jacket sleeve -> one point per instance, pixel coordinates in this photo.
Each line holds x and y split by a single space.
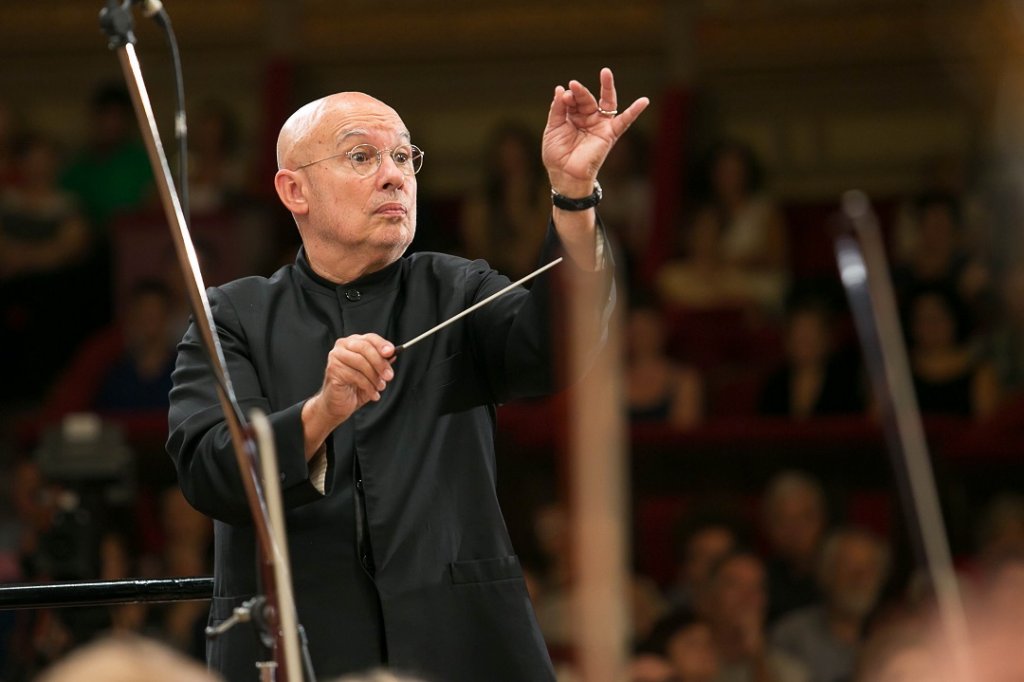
200 442
515 339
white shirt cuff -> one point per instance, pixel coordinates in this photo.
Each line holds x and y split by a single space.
599 248
318 469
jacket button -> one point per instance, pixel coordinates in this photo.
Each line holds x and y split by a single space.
353 294
367 563
359 484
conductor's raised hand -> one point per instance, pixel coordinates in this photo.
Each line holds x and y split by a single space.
358 369
581 130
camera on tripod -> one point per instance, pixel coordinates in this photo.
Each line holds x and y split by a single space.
94 472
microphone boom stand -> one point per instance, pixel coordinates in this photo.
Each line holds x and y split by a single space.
274 611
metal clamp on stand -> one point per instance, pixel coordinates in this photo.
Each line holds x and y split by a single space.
116 21
251 611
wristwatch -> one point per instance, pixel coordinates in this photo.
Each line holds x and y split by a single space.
567 204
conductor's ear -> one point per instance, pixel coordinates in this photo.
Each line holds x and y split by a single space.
291 189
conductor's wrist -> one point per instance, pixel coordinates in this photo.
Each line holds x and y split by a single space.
315 425
569 185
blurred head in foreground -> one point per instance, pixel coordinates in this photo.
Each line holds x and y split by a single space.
127 659
377 676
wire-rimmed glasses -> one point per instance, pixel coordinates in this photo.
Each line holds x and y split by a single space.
366 158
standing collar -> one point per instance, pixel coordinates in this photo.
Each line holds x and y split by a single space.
369 284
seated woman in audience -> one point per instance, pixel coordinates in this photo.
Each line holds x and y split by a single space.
940 258
704 278
685 646
734 603
702 540
658 388
814 380
41 229
753 231
217 172
44 246
948 377
506 221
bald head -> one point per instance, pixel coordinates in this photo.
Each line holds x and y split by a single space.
310 126
351 221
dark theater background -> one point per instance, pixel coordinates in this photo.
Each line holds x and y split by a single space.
760 528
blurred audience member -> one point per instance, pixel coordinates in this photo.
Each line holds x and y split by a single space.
815 380
10 174
125 367
647 606
188 536
185 530
552 606
687 645
734 605
34 502
944 175
112 173
898 652
140 379
704 277
795 519
118 561
1001 528
220 198
948 377
627 204
44 248
41 229
702 541
754 235
506 222
659 389
940 259
1007 337
217 173
127 659
826 637
647 667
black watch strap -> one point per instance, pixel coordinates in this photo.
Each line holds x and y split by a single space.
567 204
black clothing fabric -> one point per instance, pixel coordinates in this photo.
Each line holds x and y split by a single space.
949 397
655 412
123 388
433 586
788 590
840 393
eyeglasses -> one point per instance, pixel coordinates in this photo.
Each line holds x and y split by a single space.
366 159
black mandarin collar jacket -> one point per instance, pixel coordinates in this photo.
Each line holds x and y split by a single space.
435 586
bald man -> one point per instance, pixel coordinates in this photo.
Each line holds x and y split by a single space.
400 554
